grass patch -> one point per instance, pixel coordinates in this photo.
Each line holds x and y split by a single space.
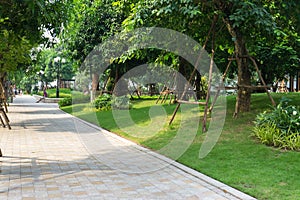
238 159
63 93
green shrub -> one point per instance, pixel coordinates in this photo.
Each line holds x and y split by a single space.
103 102
77 97
61 95
279 127
65 102
121 102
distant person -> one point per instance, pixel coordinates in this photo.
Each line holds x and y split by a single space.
15 90
45 92
45 95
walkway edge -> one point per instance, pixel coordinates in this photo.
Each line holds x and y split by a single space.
215 183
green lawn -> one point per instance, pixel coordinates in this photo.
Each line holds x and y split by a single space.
237 159
63 93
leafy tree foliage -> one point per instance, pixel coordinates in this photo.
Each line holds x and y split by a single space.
252 26
278 53
22 24
100 20
47 68
265 29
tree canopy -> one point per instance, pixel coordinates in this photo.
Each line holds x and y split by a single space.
22 24
267 30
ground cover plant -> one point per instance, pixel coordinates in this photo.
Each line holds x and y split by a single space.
279 127
107 101
238 159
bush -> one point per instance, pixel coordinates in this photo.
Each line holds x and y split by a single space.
77 97
65 102
61 95
106 102
280 127
121 102
103 102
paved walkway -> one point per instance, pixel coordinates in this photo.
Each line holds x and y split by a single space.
49 154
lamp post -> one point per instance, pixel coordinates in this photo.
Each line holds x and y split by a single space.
58 60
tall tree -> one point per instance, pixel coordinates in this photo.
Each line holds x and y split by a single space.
95 22
246 22
22 24
278 55
48 67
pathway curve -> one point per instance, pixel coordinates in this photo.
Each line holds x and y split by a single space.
49 154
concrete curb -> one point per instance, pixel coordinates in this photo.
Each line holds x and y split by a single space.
46 100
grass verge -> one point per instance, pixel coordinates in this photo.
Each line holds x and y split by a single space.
63 93
238 159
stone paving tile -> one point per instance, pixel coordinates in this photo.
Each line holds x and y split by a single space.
51 155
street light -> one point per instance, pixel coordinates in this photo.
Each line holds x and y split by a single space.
58 60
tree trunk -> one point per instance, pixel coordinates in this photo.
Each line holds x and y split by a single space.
244 76
2 77
95 84
199 89
180 80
